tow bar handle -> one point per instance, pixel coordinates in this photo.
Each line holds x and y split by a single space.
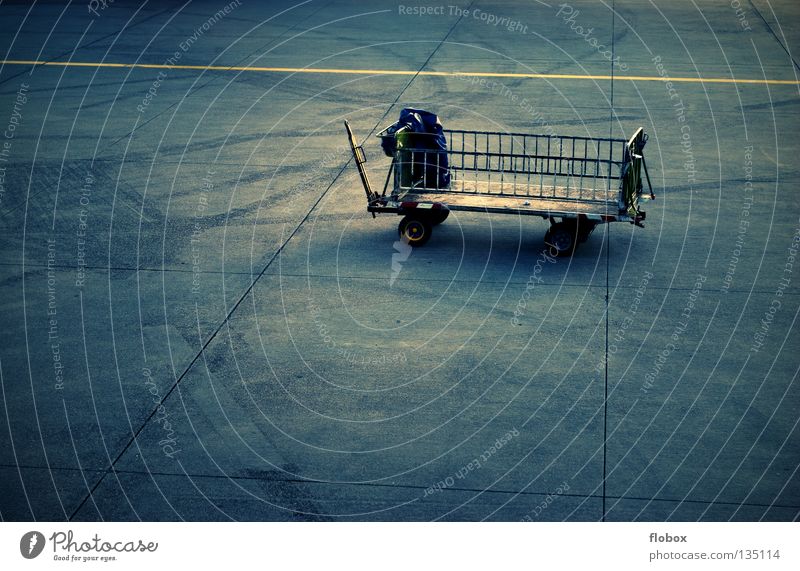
360 158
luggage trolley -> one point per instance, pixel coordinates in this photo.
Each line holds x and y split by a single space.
571 181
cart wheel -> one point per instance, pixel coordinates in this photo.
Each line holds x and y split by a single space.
562 239
415 231
439 216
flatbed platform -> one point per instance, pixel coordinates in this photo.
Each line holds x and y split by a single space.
504 203
532 187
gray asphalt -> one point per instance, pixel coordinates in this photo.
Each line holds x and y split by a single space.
202 322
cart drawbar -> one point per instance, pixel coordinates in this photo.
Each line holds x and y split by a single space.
574 182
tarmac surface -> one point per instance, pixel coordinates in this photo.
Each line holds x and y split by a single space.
202 322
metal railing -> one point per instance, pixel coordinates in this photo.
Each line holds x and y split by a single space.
515 164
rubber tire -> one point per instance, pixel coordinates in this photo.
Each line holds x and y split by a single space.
439 216
415 230
562 239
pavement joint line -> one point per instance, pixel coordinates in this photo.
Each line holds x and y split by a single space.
774 35
208 341
607 240
398 486
404 72
250 288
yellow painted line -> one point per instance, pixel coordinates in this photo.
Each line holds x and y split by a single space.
406 72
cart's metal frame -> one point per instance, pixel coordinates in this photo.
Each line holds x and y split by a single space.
575 182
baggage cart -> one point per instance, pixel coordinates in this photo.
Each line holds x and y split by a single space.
574 182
